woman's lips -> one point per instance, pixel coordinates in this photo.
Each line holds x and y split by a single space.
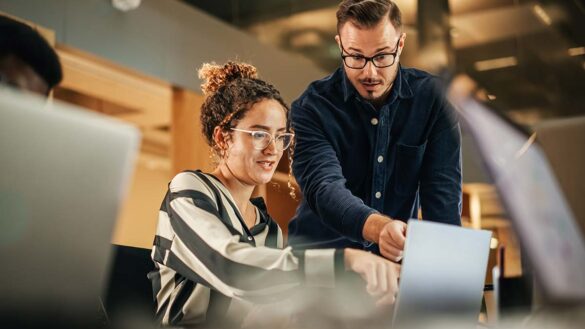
266 165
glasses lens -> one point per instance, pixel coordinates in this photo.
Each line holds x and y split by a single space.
283 141
261 139
355 62
383 60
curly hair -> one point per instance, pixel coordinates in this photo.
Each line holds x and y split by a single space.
230 91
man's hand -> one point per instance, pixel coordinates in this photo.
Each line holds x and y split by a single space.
389 234
392 238
380 275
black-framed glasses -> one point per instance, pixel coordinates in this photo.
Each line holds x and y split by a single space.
261 139
380 60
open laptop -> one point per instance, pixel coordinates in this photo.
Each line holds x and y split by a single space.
531 195
442 276
65 172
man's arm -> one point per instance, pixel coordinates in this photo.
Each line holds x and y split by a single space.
319 173
441 178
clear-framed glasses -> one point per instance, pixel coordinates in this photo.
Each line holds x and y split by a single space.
261 139
379 60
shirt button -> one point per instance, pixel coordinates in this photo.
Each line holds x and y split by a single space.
374 121
249 238
378 195
380 159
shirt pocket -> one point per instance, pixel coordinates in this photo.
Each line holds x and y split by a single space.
408 163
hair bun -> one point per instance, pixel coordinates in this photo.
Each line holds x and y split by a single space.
216 76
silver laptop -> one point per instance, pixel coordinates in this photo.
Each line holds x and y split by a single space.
64 174
531 195
442 276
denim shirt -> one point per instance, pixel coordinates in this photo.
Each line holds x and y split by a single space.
352 160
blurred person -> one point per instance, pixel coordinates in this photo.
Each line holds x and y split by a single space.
374 142
217 252
27 61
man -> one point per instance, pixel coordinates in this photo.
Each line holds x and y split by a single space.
374 141
27 61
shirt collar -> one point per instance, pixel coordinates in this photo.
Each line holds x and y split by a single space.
401 86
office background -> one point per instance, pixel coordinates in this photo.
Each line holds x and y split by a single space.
140 66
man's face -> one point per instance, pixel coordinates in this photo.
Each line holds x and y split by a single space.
371 82
17 74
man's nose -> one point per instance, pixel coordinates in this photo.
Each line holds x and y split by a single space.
370 70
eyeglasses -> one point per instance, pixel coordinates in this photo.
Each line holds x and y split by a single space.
261 139
380 60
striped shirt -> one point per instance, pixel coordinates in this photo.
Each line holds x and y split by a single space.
210 266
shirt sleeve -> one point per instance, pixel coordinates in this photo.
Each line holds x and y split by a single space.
193 241
319 174
441 177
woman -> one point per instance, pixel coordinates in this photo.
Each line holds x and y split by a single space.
216 251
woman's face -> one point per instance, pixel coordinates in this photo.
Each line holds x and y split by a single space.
247 163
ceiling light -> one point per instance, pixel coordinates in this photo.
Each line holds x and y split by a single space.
306 39
577 51
126 5
541 14
496 63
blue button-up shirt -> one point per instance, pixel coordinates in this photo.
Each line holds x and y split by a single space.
352 160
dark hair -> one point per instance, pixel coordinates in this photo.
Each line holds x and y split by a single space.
22 41
367 13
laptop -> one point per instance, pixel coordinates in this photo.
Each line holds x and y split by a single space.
442 276
529 191
65 172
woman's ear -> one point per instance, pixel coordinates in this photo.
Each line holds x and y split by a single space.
221 141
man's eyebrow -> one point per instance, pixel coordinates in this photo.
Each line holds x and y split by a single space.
361 52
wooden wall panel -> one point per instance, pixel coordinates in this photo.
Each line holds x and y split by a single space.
136 224
189 150
95 77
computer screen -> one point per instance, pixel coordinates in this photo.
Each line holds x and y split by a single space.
532 197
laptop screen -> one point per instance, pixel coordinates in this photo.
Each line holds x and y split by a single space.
65 172
530 193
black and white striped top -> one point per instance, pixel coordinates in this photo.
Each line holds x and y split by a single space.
209 265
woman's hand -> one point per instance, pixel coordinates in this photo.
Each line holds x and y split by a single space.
381 275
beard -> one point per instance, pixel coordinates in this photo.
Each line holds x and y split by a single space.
371 97
379 100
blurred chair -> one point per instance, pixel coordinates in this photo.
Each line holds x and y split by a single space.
128 301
